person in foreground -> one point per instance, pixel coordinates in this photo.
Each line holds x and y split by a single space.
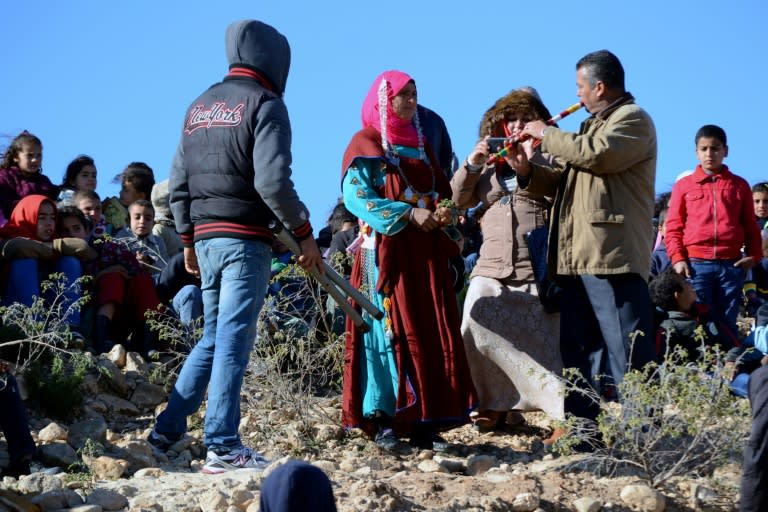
297 486
754 480
511 342
222 207
408 375
14 425
601 227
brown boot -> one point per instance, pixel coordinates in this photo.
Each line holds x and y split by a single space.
488 419
556 434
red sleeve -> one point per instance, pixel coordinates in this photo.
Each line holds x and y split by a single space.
753 243
675 225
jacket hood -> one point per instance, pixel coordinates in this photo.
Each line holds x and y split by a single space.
258 46
515 101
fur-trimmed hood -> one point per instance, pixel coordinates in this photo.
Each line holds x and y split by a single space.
515 101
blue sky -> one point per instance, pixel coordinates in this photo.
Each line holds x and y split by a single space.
113 79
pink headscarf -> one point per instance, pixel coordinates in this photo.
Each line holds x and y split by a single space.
399 131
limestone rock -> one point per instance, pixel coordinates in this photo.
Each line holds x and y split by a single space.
108 500
147 396
108 468
479 464
93 428
643 498
586 504
61 498
57 454
525 502
118 356
53 432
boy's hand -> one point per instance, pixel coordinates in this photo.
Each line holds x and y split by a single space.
681 267
190 261
310 255
746 263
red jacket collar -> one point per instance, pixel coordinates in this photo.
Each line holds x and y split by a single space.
700 176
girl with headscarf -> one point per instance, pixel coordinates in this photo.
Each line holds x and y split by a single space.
511 342
408 375
31 251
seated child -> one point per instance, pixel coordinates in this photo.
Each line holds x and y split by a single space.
30 247
89 202
760 200
21 174
122 291
675 298
138 237
174 284
756 282
80 175
136 182
748 357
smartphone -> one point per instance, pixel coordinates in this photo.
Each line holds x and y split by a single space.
495 143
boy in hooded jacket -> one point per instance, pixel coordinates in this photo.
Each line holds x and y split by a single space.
229 179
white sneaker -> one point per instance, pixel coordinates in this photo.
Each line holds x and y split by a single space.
240 458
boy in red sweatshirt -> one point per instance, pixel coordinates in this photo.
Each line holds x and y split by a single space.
711 217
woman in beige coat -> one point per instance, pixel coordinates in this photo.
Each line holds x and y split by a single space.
512 344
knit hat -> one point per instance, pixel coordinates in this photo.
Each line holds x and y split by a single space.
161 201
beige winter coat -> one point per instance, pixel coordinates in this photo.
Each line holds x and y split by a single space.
503 253
508 217
602 217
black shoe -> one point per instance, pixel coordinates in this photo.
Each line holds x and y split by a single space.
18 468
162 442
387 440
101 341
430 441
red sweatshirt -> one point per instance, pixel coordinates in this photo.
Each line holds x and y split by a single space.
711 217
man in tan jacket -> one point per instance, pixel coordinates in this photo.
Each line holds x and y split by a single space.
601 230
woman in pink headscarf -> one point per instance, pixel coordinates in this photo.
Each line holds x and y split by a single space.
408 375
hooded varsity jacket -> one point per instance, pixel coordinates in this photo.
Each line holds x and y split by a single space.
231 173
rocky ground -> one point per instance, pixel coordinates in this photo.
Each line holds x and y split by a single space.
493 471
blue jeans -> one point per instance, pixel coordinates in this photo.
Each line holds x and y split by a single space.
718 284
234 277
740 385
188 304
21 288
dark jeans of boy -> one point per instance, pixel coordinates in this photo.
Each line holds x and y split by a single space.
13 420
754 479
718 284
597 318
